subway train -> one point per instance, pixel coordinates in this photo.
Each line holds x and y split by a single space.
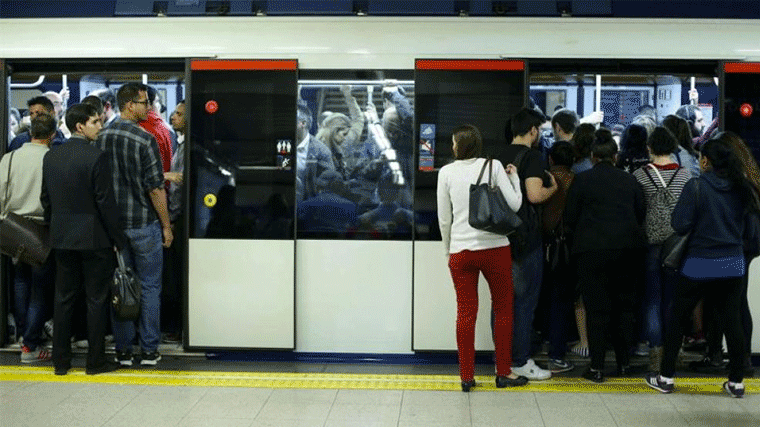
269 265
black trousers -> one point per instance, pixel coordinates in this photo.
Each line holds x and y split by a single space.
608 285
726 294
92 271
714 327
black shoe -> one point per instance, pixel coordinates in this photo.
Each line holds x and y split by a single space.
107 367
653 380
502 382
467 385
708 364
630 370
595 376
62 370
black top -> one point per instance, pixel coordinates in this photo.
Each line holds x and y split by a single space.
77 195
605 210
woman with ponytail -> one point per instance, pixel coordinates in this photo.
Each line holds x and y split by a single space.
712 208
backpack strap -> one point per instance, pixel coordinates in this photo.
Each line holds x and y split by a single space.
649 175
674 175
659 176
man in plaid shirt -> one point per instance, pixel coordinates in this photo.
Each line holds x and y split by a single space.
138 183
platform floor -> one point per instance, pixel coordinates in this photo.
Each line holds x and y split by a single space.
187 390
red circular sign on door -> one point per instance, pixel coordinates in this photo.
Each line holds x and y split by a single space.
212 107
745 110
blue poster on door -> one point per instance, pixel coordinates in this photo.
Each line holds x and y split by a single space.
427 147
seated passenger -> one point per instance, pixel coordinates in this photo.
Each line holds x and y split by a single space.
389 217
329 211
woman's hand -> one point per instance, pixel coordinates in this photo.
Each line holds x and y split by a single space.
511 169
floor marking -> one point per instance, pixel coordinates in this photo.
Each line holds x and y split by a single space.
351 381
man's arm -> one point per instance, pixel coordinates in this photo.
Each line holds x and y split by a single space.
158 198
537 193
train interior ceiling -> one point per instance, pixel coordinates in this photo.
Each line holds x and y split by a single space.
622 95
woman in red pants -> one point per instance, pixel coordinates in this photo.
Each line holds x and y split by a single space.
471 251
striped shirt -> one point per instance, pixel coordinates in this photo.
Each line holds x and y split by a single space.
136 164
667 172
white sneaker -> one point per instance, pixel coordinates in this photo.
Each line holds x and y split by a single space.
531 371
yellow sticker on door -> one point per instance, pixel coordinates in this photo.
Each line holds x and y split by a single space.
209 200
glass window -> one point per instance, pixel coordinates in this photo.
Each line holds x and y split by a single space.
354 155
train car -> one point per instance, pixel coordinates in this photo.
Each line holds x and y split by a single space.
277 257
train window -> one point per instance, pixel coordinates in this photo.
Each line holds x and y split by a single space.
64 89
742 103
354 155
242 122
624 98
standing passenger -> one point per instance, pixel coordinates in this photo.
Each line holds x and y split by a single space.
20 187
138 183
712 208
37 106
662 182
471 251
528 265
605 209
77 194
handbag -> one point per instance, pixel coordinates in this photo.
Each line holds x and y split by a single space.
23 239
489 210
674 247
125 292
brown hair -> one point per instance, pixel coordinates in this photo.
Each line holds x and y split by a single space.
469 142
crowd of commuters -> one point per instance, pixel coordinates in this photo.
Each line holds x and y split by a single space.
599 213
102 189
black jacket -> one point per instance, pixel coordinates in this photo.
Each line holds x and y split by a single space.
605 210
77 195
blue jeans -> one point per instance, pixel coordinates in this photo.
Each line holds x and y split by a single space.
527 274
145 256
32 287
658 297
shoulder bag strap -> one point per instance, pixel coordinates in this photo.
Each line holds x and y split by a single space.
481 173
8 184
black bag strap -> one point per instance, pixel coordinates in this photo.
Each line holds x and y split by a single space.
489 163
8 184
674 176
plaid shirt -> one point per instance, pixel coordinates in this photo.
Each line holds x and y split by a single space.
136 165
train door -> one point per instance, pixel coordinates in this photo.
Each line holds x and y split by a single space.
241 193
449 93
354 211
68 81
741 114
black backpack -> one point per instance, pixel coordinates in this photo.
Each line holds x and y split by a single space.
528 235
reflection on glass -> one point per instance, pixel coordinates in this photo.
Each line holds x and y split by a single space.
241 174
354 163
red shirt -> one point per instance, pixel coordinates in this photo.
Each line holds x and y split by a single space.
156 127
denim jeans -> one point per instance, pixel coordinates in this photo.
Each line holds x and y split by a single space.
145 256
658 297
527 274
32 288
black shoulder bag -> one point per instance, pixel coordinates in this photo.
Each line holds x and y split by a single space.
489 210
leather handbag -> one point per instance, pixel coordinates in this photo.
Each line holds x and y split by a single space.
125 292
23 239
489 210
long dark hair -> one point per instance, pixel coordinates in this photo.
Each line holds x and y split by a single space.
749 165
682 132
726 164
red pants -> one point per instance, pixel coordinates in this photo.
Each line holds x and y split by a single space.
496 266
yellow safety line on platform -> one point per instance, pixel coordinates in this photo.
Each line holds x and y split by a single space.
350 381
